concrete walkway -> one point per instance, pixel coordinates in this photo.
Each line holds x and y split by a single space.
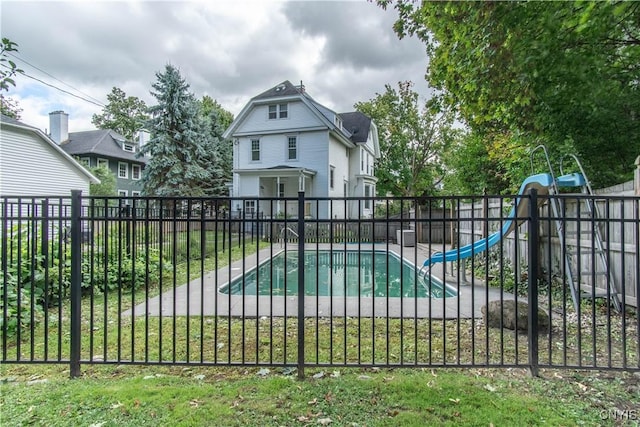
201 296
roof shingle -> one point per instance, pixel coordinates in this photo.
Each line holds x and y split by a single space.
100 142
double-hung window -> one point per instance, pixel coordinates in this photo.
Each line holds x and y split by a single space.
123 171
250 207
135 172
292 148
367 193
278 111
103 163
255 150
332 177
283 111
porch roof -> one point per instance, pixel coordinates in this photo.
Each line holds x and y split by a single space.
275 171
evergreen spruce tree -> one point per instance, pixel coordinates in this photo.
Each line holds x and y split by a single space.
219 156
178 147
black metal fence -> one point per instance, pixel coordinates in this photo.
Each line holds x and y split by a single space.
87 280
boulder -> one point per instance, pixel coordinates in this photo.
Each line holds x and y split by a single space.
502 314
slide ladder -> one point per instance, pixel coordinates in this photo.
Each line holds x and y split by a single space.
582 277
541 182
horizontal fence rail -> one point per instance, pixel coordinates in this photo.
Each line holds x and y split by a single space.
197 281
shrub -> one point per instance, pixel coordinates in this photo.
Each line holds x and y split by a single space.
28 283
113 270
19 311
35 280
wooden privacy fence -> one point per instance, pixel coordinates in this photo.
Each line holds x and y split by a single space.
431 226
618 219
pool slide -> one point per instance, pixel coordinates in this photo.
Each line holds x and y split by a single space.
540 182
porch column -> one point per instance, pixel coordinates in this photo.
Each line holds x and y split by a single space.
278 209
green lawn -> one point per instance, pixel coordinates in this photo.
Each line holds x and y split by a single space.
125 395
144 396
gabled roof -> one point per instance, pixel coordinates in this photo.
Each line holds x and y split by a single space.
10 122
101 142
357 124
284 92
283 89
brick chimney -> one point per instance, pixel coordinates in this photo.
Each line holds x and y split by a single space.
59 126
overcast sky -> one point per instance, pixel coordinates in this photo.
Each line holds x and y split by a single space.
344 52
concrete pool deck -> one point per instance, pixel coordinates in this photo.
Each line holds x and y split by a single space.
201 297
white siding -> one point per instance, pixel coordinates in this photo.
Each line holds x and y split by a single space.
312 154
317 149
338 158
249 186
354 167
299 117
30 166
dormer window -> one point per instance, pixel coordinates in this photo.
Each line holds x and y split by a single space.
338 122
278 111
128 147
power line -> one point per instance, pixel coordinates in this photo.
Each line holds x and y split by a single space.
52 76
63 90
92 100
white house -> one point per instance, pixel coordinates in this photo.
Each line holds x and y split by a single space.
31 164
285 142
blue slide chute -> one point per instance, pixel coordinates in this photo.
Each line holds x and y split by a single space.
540 182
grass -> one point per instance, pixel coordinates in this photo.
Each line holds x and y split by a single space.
143 396
121 394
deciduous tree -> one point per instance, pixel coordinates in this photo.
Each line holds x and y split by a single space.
124 114
411 137
566 74
10 107
8 70
108 183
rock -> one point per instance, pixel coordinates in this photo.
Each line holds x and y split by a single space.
503 314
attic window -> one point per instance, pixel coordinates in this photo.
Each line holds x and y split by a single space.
338 122
278 111
128 147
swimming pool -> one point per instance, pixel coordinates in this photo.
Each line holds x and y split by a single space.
338 273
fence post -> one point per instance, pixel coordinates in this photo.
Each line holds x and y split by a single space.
532 327
76 281
636 177
301 234
128 223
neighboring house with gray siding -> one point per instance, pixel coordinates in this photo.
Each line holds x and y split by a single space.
31 164
285 141
102 147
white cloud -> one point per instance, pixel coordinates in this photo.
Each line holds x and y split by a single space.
344 52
